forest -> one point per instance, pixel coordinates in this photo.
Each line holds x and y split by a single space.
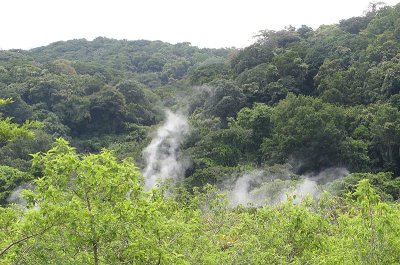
144 152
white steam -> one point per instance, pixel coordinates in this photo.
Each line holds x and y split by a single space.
258 187
15 196
161 155
240 195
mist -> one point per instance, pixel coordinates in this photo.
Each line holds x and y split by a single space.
162 154
260 187
16 196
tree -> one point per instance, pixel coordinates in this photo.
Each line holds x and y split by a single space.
140 107
306 129
10 131
385 129
252 56
258 121
262 74
107 110
385 184
92 210
226 100
355 24
207 71
278 39
10 178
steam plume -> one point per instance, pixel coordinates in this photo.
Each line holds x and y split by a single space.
161 155
15 196
260 187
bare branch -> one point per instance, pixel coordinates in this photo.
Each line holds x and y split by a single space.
24 239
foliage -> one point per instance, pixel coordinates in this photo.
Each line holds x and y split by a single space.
10 178
10 131
92 210
308 99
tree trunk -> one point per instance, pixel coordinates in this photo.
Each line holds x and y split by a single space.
95 242
95 253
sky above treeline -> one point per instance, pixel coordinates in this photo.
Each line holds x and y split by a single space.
27 24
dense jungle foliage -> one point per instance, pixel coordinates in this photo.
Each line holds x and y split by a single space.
76 115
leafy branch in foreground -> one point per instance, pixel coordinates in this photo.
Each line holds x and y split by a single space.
10 131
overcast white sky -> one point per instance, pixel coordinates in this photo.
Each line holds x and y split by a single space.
205 23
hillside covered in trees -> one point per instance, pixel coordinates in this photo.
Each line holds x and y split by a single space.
290 154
